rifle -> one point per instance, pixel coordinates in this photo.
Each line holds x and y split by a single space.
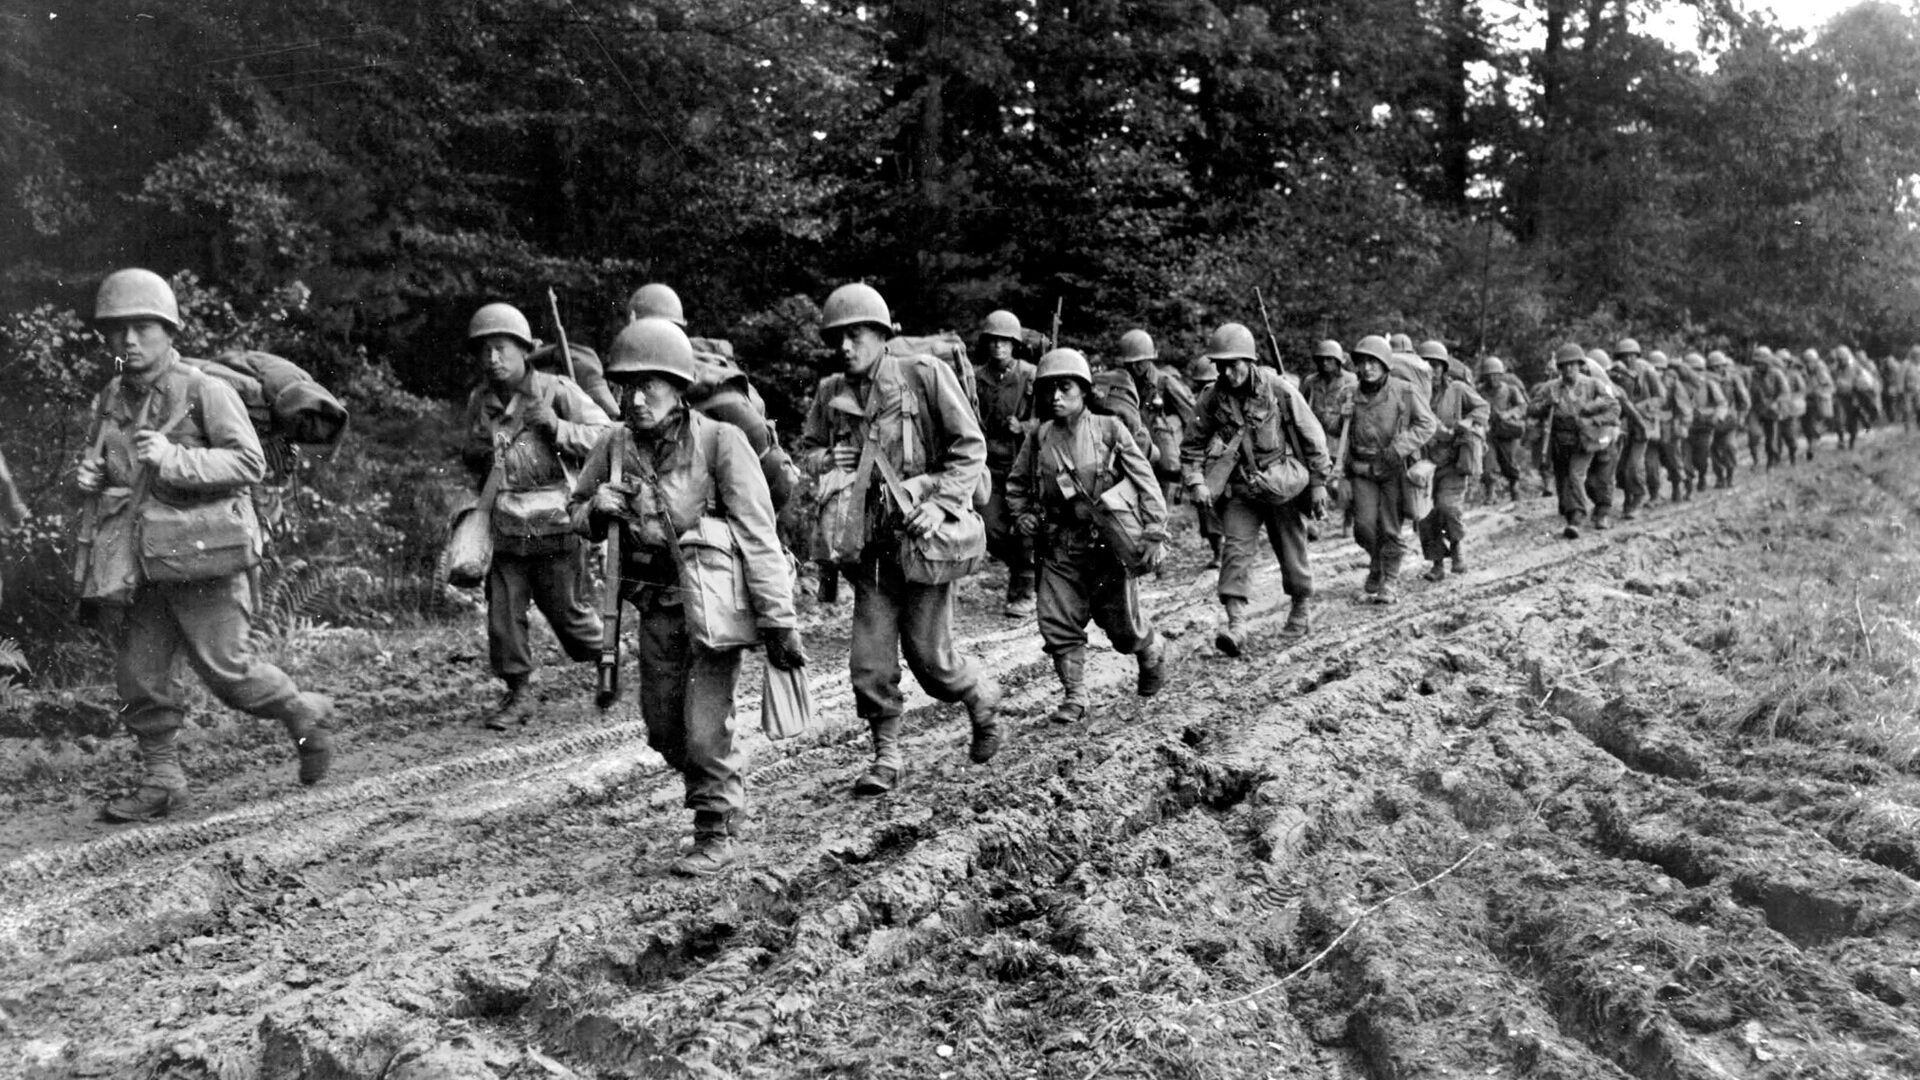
90 518
1058 303
607 678
1272 342
560 328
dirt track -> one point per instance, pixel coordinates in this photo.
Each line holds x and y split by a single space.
1635 862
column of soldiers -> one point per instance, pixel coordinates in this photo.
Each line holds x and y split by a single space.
664 445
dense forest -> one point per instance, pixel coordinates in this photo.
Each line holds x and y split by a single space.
344 181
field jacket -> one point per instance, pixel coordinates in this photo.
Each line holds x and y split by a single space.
536 478
1267 408
1459 439
1582 411
1390 426
1006 410
1100 452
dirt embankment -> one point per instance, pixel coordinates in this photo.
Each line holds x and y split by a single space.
1638 805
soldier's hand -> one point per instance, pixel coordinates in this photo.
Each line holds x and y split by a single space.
609 501
846 458
1317 496
90 476
1202 495
784 650
151 448
1154 555
924 519
1027 524
539 416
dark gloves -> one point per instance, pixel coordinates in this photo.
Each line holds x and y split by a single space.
784 650
539 416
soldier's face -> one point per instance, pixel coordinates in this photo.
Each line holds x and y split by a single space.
1066 397
138 346
648 402
1370 370
999 350
1569 370
1237 371
860 348
502 359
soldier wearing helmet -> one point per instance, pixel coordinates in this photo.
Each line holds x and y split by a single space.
176 457
1506 425
1854 386
1638 376
1392 422
911 412
677 466
1329 392
526 432
1256 454
1581 418
1005 385
1773 403
1066 464
1819 414
1166 410
1457 450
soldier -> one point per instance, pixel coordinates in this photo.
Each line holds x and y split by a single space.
1166 408
1640 378
1733 391
1391 423
911 411
175 541
1653 400
1853 386
1606 459
1506 424
1578 414
1201 374
1006 407
1772 393
678 465
1820 390
1068 461
1677 406
1456 450
1250 428
1710 407
1329 392
532 430
1794 409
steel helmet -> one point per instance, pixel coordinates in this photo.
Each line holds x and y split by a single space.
1695 362
1810 355
1843 354
1373 345
1627 347
1763 354
851 305
1718 358
1492 365
1570 353
136 294
652 346
1432 350
1231 341
1401 343
1137 345
1329 349
1659 360
656 301
1001 324
1064 364
1202 370
1599 356
500 319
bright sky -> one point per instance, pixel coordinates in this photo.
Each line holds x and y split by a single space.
1803 14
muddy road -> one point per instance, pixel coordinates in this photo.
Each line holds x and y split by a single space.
1639 805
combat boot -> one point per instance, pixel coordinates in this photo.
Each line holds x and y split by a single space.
1299 620
1019 595
1389 590
712 849
516 705
887 767
1228 639
983 713
1213 562
1513 491
1371 586
1438 572
309 722
1152 658
1600 521
1071 666
163 784
1459 561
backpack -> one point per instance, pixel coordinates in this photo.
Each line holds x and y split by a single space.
946 347
1115 395
288 406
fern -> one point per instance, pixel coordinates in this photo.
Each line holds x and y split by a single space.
13 660
287 592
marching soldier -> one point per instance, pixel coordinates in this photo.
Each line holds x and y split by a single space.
1606 459
1578 414
1329 392
1256 454
1733 391
1166 408
1507 424
175 540
1201 374
1819 412
911 413
1392 421
1005 383
526 433
1456 451
1640 377
1064 465
1710 407
678 465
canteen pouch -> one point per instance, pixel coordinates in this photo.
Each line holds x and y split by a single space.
713 586
838 525
526 514
198 542
1117 513
1281 481
955 549
1418 489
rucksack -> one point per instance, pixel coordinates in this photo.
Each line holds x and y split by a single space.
288 406
946 347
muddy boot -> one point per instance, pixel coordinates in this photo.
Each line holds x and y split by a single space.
829 590
163 784
1299 620
1600 521
309 722
1438 572
1019 595
1152 658
1213 542
1371 587
712 849
983 713
887 767
1228 639
1513 491
1486 491
1071 666
516 705
1389 590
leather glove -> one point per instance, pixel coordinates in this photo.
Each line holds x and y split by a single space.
539 416
1027 524
1202 495
1317 496
784 650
